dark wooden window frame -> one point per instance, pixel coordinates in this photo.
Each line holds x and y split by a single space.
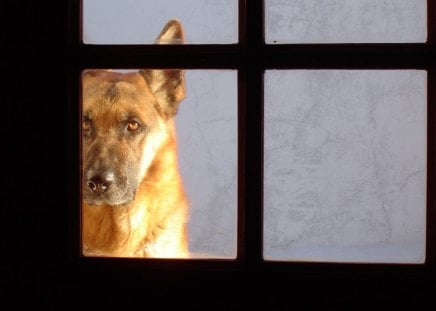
250 57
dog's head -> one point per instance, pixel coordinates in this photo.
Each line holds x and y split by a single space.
125 118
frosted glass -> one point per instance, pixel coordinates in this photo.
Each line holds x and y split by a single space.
346 21
207 135
140 21
345 165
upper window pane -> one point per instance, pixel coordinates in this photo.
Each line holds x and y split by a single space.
140 21
345 21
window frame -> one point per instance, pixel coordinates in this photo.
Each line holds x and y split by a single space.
251 56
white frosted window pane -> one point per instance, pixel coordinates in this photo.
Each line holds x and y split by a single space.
140 21
345 166
207 141
346 21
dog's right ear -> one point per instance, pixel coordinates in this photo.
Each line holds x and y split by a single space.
167 85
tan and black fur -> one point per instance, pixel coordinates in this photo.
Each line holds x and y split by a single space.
133 201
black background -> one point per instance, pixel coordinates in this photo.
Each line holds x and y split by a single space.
38 264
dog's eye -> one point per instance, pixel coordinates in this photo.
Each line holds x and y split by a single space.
86 126
132 126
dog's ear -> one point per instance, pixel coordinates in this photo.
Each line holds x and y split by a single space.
167 85
172 33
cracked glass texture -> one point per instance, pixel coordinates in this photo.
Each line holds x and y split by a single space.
207 138
345 165
140 21
345 21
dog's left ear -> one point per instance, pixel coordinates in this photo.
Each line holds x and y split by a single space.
167 85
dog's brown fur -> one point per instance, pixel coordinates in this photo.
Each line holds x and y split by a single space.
143 212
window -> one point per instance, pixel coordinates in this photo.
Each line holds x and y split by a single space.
345 165
339 21
253 60
207 22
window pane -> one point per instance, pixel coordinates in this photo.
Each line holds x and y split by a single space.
207 135
139 21
346 21
345 165
136 182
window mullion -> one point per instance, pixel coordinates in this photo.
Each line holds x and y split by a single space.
431 164
253 75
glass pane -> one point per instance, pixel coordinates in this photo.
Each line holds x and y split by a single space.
345 165
346 21
139 21
159 179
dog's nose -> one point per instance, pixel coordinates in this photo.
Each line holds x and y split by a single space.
100 183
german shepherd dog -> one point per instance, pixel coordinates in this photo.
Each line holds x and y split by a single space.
133 201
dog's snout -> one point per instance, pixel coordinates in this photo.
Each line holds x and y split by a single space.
100 183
